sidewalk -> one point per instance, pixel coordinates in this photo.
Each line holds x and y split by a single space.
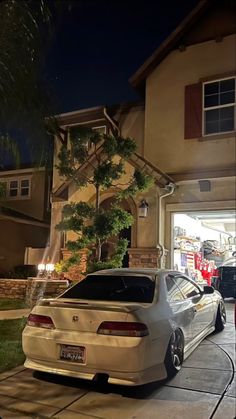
203 389
14 314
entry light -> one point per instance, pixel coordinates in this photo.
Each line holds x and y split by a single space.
143 209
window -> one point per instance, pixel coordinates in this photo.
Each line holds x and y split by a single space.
17 188
13 188
188 289
113 288
219 106
173 290
210 108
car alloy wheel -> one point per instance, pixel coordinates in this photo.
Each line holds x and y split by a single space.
220 317
175 353
176 350
222 312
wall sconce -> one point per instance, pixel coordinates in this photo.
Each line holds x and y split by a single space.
143 209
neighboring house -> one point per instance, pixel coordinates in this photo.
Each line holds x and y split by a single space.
185 132
24 216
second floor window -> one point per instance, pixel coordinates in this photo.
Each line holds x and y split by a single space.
17 188
219 106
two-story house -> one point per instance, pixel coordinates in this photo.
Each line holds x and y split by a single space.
190 121
24 216
185 132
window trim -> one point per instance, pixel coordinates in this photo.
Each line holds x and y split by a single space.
215 80
18 196
172 277
192 282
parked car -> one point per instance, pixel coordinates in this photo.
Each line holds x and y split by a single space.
129 326
226 281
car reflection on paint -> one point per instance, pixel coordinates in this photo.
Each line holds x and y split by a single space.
131 326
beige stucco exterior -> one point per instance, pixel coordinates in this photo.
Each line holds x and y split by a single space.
24 220
164 142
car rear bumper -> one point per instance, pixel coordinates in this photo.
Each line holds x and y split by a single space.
157 372
130 361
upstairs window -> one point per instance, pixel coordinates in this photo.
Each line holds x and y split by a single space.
210 108
17 188
219 106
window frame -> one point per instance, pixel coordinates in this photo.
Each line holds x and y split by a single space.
204 109
191 282
18 195
172 277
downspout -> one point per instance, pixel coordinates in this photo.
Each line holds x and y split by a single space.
170 190
111 120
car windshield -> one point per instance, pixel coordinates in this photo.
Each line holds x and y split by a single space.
127 288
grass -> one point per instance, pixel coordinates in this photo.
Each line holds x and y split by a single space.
10 304
11 353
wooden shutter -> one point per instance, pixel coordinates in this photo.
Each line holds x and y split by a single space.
193 111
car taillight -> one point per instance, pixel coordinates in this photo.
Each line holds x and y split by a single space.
123 329
37 320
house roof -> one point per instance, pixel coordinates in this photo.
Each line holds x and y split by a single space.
175 39
161 179
13 215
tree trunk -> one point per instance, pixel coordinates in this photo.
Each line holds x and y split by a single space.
97 198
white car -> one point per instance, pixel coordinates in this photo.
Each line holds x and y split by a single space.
129 326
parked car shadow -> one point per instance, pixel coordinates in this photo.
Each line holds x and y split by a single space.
99 386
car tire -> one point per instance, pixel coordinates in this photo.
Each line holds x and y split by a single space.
220 317
174 354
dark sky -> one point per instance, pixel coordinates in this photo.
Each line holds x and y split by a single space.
101 43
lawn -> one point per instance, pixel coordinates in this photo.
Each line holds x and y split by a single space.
11 353
10 304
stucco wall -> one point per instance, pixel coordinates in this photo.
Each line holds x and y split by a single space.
164 120
14 238
33 206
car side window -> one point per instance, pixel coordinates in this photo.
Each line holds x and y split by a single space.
187 287
174 293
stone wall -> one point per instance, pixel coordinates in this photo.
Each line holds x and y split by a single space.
75 273
32 289
145 257
13 288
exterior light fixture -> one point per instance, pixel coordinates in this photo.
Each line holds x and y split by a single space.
41 267
143 209
45 270
50 267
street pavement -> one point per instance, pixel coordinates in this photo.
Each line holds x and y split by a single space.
204 389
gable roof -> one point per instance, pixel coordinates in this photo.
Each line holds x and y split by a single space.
161 179
175 39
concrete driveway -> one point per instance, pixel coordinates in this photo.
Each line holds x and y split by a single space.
203 389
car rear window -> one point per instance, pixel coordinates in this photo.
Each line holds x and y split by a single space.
113 288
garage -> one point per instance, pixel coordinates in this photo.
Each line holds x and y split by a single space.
202 241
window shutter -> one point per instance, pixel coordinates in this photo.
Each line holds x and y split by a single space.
193 111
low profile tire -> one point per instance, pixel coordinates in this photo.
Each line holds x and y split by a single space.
174 354
220 317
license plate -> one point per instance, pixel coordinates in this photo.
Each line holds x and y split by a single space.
73 353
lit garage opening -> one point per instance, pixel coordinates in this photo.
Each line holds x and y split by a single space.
202 241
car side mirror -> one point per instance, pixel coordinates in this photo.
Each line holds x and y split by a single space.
208 289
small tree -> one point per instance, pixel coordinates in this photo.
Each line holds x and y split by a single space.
98 159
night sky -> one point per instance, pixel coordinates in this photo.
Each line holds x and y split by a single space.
101 43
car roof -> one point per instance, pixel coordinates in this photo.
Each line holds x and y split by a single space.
132 271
